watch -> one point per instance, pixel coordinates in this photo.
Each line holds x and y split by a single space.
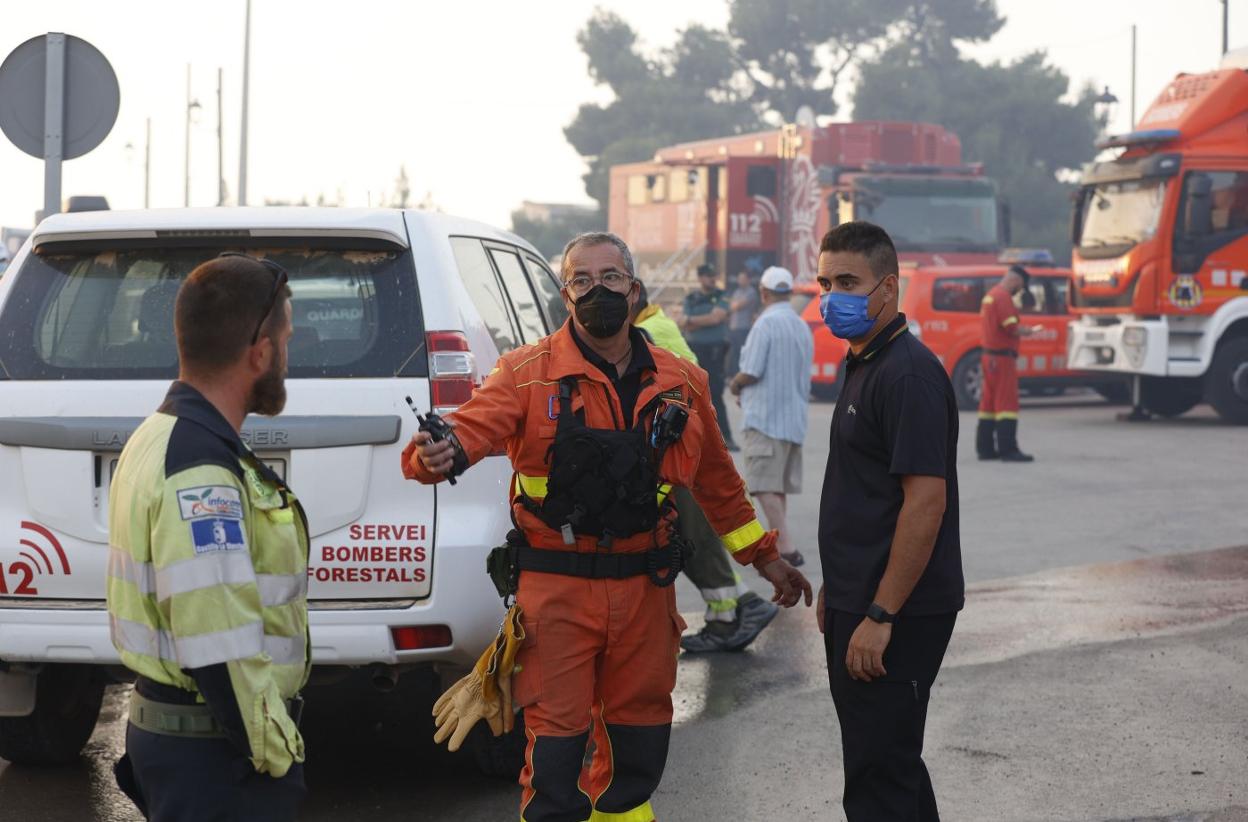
876 613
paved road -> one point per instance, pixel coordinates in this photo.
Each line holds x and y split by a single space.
1099 672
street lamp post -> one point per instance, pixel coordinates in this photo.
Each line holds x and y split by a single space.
191 105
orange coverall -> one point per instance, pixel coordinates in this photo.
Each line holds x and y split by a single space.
999 325
599 654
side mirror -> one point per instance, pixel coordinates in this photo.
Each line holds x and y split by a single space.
1199 217
1078 200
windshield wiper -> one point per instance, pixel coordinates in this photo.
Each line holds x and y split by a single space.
1113 239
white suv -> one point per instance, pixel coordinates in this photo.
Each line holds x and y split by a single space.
386 304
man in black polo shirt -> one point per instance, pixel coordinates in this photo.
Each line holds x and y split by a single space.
888 530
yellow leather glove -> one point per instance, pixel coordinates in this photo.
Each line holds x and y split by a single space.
485 693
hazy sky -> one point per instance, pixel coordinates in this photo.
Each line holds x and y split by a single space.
470 96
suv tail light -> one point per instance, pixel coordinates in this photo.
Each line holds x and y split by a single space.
452 370
415 637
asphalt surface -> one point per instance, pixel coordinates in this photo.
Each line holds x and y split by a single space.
1099 671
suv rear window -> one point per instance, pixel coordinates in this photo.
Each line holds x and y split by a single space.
95 314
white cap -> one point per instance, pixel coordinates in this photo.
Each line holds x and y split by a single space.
777 279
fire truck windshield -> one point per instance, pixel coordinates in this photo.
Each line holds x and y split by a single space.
1117 214
931 213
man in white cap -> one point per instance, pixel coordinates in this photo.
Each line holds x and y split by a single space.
774 388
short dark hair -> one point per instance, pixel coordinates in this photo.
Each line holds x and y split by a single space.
1023 273
218 308
706 270
867 239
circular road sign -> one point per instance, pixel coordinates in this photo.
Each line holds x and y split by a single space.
92 96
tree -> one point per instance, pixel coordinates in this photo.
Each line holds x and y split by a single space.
797 52
550 236
1011 117
687 92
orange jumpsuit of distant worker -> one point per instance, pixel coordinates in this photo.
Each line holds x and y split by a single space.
598 652
999 322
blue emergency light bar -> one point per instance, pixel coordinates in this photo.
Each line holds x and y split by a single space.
1140 138
1026 256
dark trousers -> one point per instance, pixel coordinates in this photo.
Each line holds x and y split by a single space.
711 357
180 779
882 721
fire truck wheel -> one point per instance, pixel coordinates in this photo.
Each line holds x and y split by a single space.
499 756
1169 396
968 380
67 704
1226 383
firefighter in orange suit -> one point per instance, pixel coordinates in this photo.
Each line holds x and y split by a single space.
599 425
997 434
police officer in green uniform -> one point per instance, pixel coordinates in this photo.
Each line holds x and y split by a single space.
207 572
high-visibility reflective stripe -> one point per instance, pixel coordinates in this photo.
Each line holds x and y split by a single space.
641 813
1009 321
204 571
220 646
535 487
279 589
987 415
211 648
138 638
1007 415
222 568
722 605
743 537
126 568
718 594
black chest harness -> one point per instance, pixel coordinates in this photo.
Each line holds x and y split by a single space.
603 483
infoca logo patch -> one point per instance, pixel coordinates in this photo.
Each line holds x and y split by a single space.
210 501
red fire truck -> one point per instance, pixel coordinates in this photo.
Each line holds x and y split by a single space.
1161 250
749 201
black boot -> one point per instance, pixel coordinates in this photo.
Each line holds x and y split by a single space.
1007 442
985 439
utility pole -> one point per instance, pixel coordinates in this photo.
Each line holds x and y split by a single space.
220 142
191 105
1133 76
242 139
147 166
1226 13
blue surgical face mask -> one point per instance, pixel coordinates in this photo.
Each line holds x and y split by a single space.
845 315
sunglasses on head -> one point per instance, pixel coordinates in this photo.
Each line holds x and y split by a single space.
280 279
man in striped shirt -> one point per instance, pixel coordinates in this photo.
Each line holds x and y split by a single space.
774 389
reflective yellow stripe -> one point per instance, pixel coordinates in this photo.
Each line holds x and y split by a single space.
641 813
987 415
535 487
1007 415
743 537
1009 321
986 301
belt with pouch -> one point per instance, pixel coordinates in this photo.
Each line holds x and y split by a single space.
170 711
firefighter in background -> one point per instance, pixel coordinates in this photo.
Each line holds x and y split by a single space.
997 434
735 615
599 425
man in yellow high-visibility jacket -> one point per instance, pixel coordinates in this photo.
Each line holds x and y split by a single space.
207 572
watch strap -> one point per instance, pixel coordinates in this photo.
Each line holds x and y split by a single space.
876 613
